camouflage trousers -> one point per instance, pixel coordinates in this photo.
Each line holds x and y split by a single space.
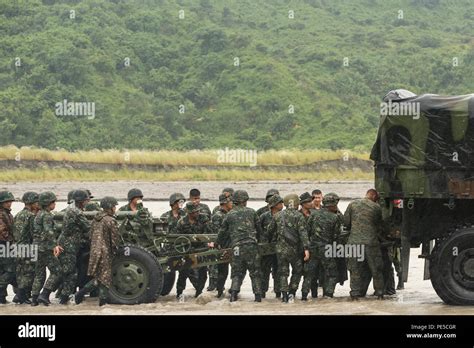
45 260
25 274
68 262
94 285
7 273
327 271
289 257
395 254
362 272
222 273
270 266
246 257
388 277
197 277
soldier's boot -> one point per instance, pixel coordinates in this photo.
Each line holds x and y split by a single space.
102 302
34 300
304 296
79 296
212 284
64 300
278 294
15 298
94 293
258 298
264 294
314 293
400 285
198 292
44 297
379 297
220 293
22 297
233 296
284 297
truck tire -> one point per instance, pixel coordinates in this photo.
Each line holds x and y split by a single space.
452 267
137 277
168 283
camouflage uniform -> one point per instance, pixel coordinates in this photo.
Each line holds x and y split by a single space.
204 209
364 220
202 225
266 208
75 227
223 268
7 265
241 226
269 262
289 230
23 232
44 237
324 229
172 220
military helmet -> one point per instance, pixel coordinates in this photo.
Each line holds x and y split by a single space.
80 196
330 199
228 190
108 202
240 196
6 196
46 198
175 197
133 193
30 197
69 196
224 198
270 193
291 201
305 198
274 200
89 193
191 208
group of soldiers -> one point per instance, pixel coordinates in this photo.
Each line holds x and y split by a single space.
301 233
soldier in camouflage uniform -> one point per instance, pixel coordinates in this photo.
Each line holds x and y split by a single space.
364 220
242 226
195 198
7 265
270 262
289 230
228 191
135 202
48 250
317 199
23 234
75 227
193 223
104 245
324 229
91 206
217 219
172 216
266 208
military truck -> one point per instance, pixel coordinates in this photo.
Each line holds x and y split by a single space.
424 157
146 264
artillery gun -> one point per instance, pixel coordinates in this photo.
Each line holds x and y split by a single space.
146 264
424 157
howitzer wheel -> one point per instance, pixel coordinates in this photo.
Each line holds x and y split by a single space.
182 244
137 276
452 267
168 283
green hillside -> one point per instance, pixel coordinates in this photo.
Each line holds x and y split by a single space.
191 61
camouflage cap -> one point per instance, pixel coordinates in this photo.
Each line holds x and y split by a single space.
330 199
80 196
46 198
30 197
191 208
108 202
291 201
133 193
274 200
224 198
175 197
6 196
240 196
270 193
306 197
